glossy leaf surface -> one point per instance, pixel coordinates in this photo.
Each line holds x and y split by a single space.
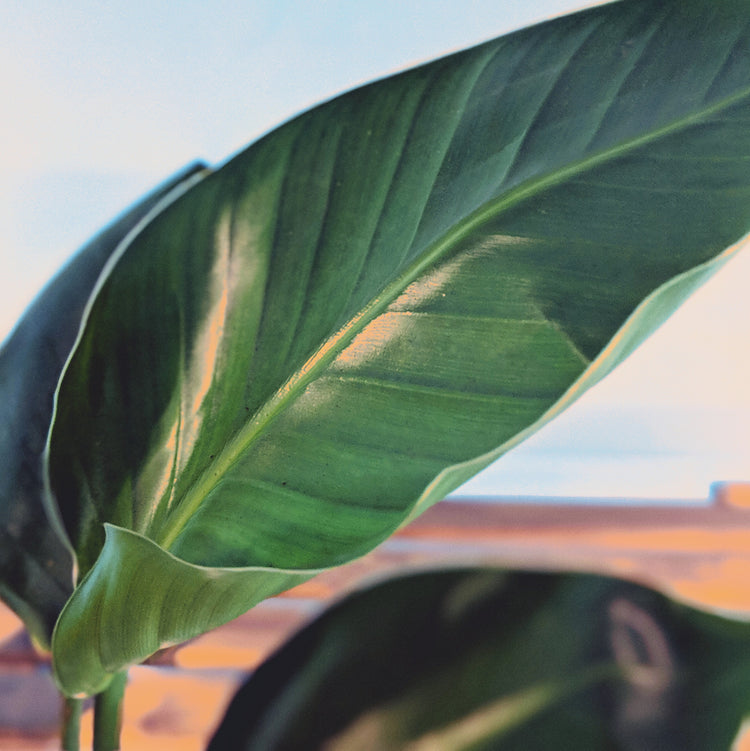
36 570
380 297
477 660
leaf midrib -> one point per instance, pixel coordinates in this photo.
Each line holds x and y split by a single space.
334 345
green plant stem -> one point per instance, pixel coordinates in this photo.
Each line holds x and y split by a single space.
71 724
108 714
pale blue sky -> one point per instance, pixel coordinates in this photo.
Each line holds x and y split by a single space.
103 100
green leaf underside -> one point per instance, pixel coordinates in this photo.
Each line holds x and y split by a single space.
398 282
36 569
458 660
191 599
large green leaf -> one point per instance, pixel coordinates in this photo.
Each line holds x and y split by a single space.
36 569
460 660
378 298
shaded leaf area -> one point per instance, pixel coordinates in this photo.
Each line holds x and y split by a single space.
408 277
36 568
482 659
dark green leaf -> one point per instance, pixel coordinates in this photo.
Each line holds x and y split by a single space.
36 570
460 660
383 295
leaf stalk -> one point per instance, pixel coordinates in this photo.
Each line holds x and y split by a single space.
71 724
108 714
